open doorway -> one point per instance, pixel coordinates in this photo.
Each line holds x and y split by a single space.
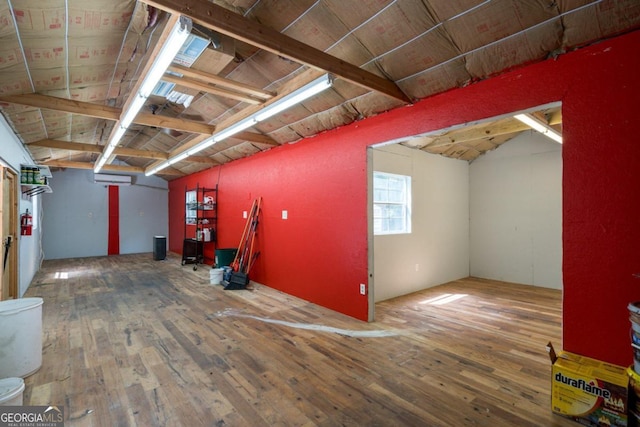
486 202
9 231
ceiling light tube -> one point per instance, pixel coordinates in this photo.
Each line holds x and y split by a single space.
132 111
168 51
117 135
158 168
232 130
180 157
539 126
170 48
100 164
295 97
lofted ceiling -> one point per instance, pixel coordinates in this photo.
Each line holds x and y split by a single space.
69 67
469 141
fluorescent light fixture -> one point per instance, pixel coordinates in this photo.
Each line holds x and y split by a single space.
180 157
232 130
117 135
179 34
100 164
170 48
538 125
134 108
110 148
295 97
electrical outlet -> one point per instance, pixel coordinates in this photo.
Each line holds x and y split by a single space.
363 289
417 267
285 214
244 214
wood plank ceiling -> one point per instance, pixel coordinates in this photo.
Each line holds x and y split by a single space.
68 67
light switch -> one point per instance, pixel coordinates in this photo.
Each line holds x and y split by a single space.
285 214
244 214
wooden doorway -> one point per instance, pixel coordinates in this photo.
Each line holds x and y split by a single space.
9 231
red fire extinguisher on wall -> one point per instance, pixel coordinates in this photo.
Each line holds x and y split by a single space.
26 224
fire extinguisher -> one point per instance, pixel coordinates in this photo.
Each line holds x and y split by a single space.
26 224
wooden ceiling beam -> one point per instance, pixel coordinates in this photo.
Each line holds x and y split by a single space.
221 81
65 145
224 21
204 87
65 105
145 154
175 123
260 138
201 159
92 148
107 113
87 165
488 130
111 168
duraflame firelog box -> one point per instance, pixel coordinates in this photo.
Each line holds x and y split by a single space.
591 392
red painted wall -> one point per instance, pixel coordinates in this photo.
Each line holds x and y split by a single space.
114 221
320 253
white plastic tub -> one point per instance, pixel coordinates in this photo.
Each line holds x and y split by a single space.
215 276
20 337
11 390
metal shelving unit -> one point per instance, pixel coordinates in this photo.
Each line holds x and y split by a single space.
200 223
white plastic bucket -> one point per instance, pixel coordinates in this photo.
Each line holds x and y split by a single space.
634 312
11 391
215 276
20 337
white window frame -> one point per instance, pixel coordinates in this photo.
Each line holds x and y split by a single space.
388 200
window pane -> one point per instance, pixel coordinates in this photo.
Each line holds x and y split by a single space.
396 224
396 211
392 199
396 197
396 184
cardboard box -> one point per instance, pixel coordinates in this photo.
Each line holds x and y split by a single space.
592 392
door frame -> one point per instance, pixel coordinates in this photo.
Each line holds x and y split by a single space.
9 290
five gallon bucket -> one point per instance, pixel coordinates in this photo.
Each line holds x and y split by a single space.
11 391
215 276
20 337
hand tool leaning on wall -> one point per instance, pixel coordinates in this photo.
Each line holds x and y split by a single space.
245 257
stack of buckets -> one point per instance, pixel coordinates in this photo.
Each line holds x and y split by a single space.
634 371
20 346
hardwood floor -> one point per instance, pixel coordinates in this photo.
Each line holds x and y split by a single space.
129 341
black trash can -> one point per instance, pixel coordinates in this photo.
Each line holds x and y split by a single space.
159 248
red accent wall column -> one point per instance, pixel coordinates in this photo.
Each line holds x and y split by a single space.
114 220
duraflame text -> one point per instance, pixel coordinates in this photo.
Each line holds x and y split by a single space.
587 387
